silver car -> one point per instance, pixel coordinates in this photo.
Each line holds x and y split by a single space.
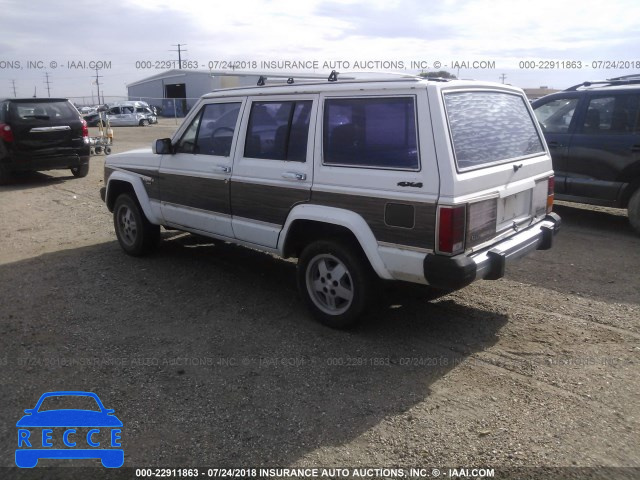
123 115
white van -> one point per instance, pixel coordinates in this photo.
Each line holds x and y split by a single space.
433 182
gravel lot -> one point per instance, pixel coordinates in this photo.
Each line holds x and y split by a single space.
210 360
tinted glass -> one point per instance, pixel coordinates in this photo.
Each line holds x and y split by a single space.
217 127
278 130
187 144
490 127
371 132
614 114
30 111
555 116
211 131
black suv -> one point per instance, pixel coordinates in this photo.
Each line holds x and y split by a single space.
42 134
593 133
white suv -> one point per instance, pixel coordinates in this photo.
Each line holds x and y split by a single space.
433 182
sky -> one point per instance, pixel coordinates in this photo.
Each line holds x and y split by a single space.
528 44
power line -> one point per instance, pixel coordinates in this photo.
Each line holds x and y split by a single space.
179 53
503 77
13 82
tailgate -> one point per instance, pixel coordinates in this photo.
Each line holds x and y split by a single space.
497 161
43 128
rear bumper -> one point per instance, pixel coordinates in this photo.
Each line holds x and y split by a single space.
54 162
457 272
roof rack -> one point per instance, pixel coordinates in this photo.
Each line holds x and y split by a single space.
610 82
352 77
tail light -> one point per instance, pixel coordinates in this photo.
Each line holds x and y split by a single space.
550 188
85 129
451 229
5 132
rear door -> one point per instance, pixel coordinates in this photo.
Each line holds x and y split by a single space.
45 128
273 166
194 181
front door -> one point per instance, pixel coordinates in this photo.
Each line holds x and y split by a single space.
194 181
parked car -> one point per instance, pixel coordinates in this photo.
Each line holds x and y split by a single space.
93 119
42 134
127 115
433 182
593 133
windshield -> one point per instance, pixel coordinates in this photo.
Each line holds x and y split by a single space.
490 127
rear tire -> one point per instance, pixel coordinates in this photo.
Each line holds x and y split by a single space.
633 210
335 281
81 171
136 235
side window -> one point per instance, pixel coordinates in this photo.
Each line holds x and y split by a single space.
278 130
211 131
371 132
187 144
555 116
615 114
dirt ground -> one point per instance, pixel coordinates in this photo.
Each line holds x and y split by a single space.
210 360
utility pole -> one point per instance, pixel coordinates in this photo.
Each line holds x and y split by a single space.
179 53
503 77
13 82
47 82
98 85
35 92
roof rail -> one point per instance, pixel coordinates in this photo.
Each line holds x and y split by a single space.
611 82
362 76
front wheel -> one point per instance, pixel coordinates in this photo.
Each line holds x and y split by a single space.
136 235
144 122
633 210
335 282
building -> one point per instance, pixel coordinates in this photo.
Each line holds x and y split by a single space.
535 93
174 92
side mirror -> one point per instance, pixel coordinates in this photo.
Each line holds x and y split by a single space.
162 146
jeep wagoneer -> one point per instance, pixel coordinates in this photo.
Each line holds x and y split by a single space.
433 182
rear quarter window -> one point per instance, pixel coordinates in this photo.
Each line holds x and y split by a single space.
374 132
490 127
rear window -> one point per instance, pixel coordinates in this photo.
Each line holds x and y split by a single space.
490 127
33 111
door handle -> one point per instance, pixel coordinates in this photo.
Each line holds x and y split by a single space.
294 176
222 168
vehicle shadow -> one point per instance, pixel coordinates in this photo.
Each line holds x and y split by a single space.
27 180
595 254
209 358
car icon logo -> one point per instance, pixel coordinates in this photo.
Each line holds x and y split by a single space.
53 430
